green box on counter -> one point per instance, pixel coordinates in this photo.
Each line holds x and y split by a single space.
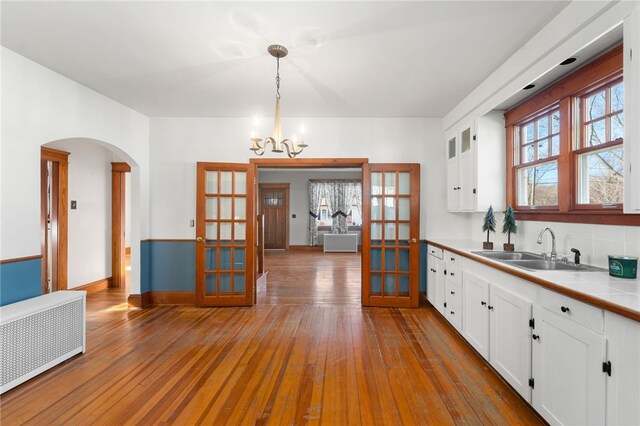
623 266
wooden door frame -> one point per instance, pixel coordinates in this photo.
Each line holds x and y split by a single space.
118 225
59 216
279 186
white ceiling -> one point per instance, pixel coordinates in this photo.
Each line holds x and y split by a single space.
209 59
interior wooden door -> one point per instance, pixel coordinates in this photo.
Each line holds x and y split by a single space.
274 205
225 234
390 235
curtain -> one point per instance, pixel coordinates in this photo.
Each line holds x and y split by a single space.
316 190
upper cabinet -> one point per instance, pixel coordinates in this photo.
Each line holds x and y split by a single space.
476 165
631 67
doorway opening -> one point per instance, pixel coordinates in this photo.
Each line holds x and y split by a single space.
54 178
294 266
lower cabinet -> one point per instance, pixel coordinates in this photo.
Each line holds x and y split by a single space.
453 311
569 382
496 324
436 282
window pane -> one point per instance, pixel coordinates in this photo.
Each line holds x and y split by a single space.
543 127
617 126
617 97
528 154
452 148
376 183
596 133
241 183
465 140
543 149
528 133
555 122
595 106
390 183
538 185
601 177
555 145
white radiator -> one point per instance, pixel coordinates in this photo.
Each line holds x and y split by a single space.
38 333
340 242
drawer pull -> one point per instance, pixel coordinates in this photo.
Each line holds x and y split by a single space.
452 274
453 259
483 303
535 336
452 313
564 309
490 307
453 292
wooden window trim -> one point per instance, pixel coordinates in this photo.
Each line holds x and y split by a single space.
604 71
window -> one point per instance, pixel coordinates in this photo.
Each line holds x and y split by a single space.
354 217
600 151
324 216
565 148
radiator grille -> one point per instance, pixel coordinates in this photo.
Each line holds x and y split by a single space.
340 242
29 343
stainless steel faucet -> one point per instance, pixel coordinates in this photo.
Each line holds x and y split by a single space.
554 254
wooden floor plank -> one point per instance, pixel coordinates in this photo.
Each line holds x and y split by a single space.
307 353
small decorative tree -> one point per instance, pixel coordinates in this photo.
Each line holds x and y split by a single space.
489 225
509 227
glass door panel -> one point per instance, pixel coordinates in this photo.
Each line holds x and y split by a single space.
224 276
391 250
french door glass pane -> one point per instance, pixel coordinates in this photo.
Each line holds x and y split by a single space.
210 259
389 259
403 232
389 284
390 231
239 231
225 231
210 283
212 208
238 283
212 232
376 183
538 185
225 283
376 284
403 285
376 208
211 186
601 175
239 259
389 208
390 183
240 183
404 208
376 231
225 259
225 208
226 179
403 260
240 208
376 259
404 184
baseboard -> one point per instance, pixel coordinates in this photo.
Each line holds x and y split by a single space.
305 248
172 298
135 301
423 299
95 286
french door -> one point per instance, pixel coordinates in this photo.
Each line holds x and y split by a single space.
225 246
390 235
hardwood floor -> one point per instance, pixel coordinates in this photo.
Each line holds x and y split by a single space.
329 362
310 278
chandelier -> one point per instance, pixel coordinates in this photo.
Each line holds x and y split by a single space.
258 145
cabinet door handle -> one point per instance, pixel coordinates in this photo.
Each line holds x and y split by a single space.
453 292
535 336
452 274
453 259
483 303
452 313
564 309
490 307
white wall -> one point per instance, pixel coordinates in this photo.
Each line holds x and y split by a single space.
89 236
40 106
299 196
176 144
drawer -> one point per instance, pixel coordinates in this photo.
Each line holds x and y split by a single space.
435 251
452 258
454 274
586 315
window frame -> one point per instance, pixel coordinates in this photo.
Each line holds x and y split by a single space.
601 72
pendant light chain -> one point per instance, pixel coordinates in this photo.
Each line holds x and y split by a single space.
278 77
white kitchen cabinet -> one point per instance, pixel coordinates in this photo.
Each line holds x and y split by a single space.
475 315
569 384
631 66
476 165
623 386
510 338
453 310
436 282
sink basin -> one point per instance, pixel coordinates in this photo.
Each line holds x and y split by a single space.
548 265
508 255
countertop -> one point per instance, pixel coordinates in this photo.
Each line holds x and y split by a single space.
618 295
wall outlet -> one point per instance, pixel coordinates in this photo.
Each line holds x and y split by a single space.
192 223
293 216
74 204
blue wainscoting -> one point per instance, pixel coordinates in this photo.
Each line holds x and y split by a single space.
423 267
168 266
20 280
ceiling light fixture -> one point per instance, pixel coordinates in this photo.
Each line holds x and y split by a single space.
258 145
529 86
568 61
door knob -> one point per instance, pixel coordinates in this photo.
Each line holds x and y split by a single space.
414 240
199 239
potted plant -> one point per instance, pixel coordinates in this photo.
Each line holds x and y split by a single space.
488 225
509 227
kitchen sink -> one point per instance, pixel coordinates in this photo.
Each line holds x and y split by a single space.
508 255
534 262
